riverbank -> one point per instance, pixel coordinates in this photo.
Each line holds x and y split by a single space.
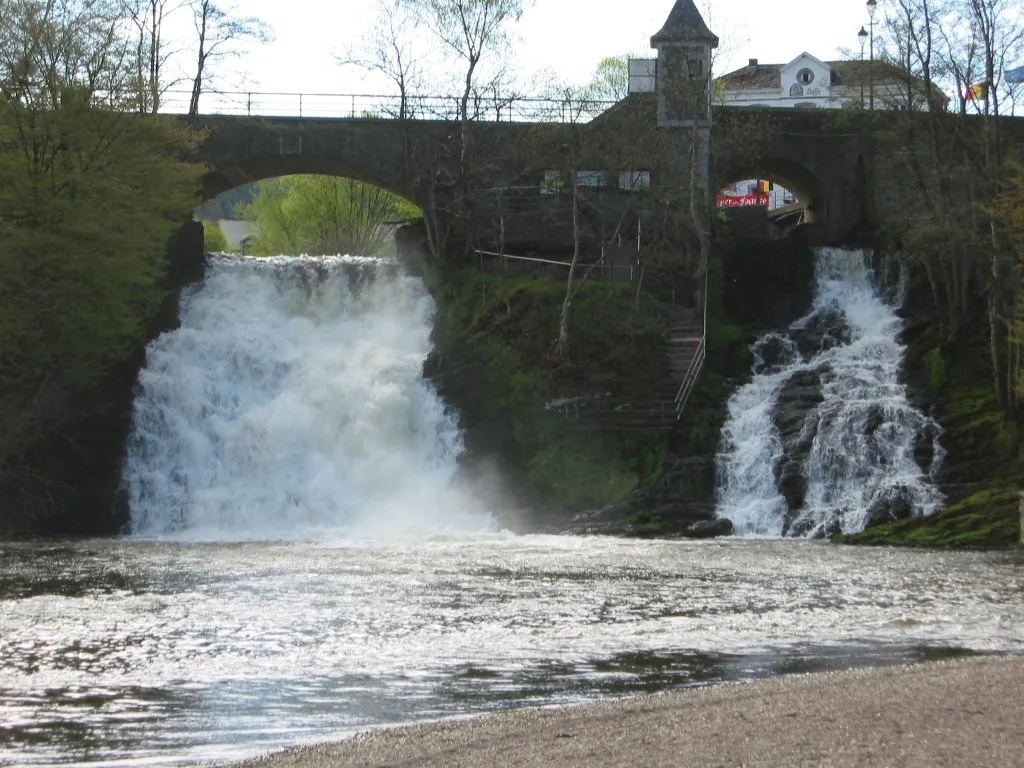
963 712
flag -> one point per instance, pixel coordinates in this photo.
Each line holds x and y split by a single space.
977 92
1015 75
764 186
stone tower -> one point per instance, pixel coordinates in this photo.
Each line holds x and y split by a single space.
684 47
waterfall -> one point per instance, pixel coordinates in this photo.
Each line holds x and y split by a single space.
291 403
823 438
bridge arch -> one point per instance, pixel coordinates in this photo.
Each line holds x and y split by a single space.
222 178
809 194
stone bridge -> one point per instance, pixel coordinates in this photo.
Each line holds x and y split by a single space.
843 177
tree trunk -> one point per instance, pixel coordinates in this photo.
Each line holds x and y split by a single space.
561 351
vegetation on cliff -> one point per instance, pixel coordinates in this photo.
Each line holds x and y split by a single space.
89 194
497 335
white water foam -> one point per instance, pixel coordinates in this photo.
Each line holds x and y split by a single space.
291 404
865 430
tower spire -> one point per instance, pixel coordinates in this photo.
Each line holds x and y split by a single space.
684 23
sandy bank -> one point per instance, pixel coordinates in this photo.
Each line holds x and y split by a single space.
962 713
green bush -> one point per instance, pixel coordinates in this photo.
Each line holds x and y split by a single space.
214 240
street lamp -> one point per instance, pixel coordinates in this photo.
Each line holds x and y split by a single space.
872 6
863 37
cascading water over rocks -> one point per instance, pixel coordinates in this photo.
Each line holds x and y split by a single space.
291 403
823 438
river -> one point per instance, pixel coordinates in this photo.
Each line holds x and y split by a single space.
304 564
142 652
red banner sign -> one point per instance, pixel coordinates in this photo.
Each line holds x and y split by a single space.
739 201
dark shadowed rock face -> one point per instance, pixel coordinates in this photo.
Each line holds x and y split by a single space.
896 504
796 402
73 485
709 529
829 330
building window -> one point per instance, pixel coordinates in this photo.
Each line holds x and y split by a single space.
635 181
805 76
796 91
552 183
591 179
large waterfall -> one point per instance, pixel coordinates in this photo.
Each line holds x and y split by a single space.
291 403
823 437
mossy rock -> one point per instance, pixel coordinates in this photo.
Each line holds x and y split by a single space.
986 519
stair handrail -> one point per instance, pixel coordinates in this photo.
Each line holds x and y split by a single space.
693 371
690 378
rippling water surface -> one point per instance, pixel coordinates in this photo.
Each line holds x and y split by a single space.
159 652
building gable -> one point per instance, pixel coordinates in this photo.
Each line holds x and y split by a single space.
806 77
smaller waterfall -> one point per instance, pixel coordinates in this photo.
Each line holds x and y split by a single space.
853 444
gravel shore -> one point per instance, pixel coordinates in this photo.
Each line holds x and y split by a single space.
957 713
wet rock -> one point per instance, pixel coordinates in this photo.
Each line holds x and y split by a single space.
685 481
774 353
709 529
896 504
607 521
924 449
826 331
792 480
793 416
875 419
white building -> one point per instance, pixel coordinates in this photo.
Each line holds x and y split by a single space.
810 83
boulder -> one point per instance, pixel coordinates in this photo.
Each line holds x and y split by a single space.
709 529
793 417
896 504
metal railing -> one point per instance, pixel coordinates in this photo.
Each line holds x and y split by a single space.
489 108
691 376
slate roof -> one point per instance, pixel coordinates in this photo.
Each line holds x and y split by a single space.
768 76
684 23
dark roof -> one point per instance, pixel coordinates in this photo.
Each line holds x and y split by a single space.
753 76
684 23
845 72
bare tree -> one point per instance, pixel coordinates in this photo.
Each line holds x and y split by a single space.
148 17
468 29
390 50
219 32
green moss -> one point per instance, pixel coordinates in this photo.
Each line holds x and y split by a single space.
936 367
983 453
987 518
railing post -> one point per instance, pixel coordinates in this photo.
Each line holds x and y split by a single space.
352 111
248 104
300 105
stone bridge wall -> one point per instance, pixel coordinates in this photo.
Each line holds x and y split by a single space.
838 162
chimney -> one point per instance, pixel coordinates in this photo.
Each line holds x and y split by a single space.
752 63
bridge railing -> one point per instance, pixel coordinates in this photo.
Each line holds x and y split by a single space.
493 108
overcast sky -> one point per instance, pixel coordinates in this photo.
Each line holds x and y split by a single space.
567 36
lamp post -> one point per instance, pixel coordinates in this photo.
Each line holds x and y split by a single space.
863 37
872 6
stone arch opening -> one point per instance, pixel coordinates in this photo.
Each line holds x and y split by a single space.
302 212
778 197
253 169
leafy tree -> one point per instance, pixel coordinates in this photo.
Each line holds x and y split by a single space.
89 193
214 240
324 215
611 79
